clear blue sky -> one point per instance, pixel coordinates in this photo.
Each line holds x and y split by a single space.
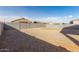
41 11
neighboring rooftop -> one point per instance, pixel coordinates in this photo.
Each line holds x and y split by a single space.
22 20
75 20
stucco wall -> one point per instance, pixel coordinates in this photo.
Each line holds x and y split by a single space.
75 22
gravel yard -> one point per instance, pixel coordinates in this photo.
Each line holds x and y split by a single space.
37 40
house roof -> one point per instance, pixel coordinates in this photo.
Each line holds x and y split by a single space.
75 20
22 20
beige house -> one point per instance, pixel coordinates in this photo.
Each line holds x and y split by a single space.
76 21
22 20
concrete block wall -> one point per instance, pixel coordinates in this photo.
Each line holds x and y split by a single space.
24 25
58 26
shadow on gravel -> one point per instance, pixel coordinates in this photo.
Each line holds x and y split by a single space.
71 30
